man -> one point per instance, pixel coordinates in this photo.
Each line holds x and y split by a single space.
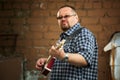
78 60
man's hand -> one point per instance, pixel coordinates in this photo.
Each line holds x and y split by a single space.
58 53
40 63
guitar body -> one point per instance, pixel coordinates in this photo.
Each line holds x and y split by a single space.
50 61
47 67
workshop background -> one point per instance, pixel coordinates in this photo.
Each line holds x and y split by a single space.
28 28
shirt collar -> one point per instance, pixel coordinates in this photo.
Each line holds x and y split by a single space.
71 30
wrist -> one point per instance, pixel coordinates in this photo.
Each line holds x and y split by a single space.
66 57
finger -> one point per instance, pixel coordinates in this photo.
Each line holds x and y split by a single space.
38 67
53 47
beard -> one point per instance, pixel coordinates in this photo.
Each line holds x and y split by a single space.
65 26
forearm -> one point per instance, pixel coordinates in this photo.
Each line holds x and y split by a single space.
76 59
73 58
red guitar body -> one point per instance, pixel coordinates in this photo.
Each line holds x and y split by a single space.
47 67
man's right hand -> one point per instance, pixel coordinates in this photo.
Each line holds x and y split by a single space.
40 63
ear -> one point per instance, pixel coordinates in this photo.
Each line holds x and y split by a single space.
77 17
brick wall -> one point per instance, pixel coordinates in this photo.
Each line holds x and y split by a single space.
35 23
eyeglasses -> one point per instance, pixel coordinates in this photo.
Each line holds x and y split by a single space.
66 16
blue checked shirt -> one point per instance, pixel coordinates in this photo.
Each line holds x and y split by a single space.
85 44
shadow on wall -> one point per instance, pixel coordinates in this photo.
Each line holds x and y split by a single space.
12 65
13 68
7 44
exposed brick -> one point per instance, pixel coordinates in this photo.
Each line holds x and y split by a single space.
18 21
102 39
17 28
27 34
51 20
42 42
37 35
96 12
52 5
6 13
17 1
57 1
40 0
89 20
20 43
4 20
38 28
97 5
60 4
108 21
24 43
107 4
28 43
104 68
7 5
116 4
35 5
34 20
79 5
37 13
25 6
78 0
82 13
114 12
53 13
5 28
53 42
104 63
51 35
17 6
42 52
32 53
95 28
88 5
31 64
1 6
39 5
115 28
54 28
70 3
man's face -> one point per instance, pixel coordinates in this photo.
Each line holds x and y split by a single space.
66 18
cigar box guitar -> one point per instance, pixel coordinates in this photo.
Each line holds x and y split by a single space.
50 60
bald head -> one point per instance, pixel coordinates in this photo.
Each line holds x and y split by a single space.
71 8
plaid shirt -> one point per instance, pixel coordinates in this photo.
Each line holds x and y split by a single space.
84 44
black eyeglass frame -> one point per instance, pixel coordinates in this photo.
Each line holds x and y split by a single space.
66 16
